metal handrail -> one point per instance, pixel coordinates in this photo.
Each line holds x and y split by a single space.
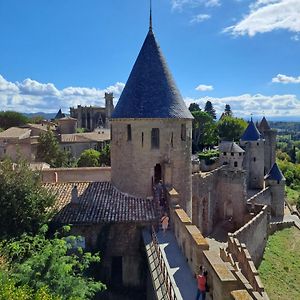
164 271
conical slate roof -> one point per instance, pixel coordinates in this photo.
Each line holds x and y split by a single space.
251 133
275 173
264 125
59 115
226 146
150 91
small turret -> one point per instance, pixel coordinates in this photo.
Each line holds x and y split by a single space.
276 181
253 144
232 155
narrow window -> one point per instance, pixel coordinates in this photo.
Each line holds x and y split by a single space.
224 153
235 164
142 139
155 138
254 158
232 154
240 154
128 132
111 133
172 145
183 132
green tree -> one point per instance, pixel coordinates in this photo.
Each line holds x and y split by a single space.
194 107
298 157
204 131
104 158
210 109
23 201
89 158
39 262
227 111
230 128
48 151
12 119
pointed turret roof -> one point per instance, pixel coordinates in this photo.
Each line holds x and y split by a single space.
59 115
150 91
251 133
275 173
264 125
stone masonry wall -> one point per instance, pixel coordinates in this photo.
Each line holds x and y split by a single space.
102 174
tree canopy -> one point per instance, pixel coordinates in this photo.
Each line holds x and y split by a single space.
23 201
37 263
230 128
12 119
48 151
89 158
104 158
194 107
210 109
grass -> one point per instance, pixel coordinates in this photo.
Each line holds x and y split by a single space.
292 195
280 268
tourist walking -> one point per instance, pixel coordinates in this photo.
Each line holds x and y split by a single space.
201 283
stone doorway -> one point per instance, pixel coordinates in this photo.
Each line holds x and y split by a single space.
157 173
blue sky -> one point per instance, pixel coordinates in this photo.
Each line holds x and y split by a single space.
61 53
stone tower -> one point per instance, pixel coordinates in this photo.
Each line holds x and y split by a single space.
269 136
253 145
276 181
109 107
151 130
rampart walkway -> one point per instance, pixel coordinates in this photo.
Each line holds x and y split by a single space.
181 276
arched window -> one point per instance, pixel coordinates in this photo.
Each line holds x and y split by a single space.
235 164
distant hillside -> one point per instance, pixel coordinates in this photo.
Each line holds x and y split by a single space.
46 116
286 126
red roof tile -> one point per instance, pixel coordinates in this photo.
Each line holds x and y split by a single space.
99 202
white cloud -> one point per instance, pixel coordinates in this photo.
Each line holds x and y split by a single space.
32 87
180 4
33 96
247 104
199 18
269 15
204 88
280 78
295 38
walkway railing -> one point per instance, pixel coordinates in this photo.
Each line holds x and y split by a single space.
164 271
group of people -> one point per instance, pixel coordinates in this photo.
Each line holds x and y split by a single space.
159 189
202 284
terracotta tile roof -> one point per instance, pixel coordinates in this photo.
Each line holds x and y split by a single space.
99 136
16 133
100 202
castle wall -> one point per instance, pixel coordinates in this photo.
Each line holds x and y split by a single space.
134 160
231 196
102 174
254 235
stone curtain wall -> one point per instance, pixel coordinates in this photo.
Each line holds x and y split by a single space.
102 174
262 197
254 234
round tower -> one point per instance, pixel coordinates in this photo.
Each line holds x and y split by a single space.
253 145
276 181
151 130
269 136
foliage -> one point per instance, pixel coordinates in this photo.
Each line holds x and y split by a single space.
81 130
210 109
227 110
204 130
36 119
23 202
280 268
230 128
12 119
194 107
48 151
210 156
38 262
10 290
104 158
89 158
